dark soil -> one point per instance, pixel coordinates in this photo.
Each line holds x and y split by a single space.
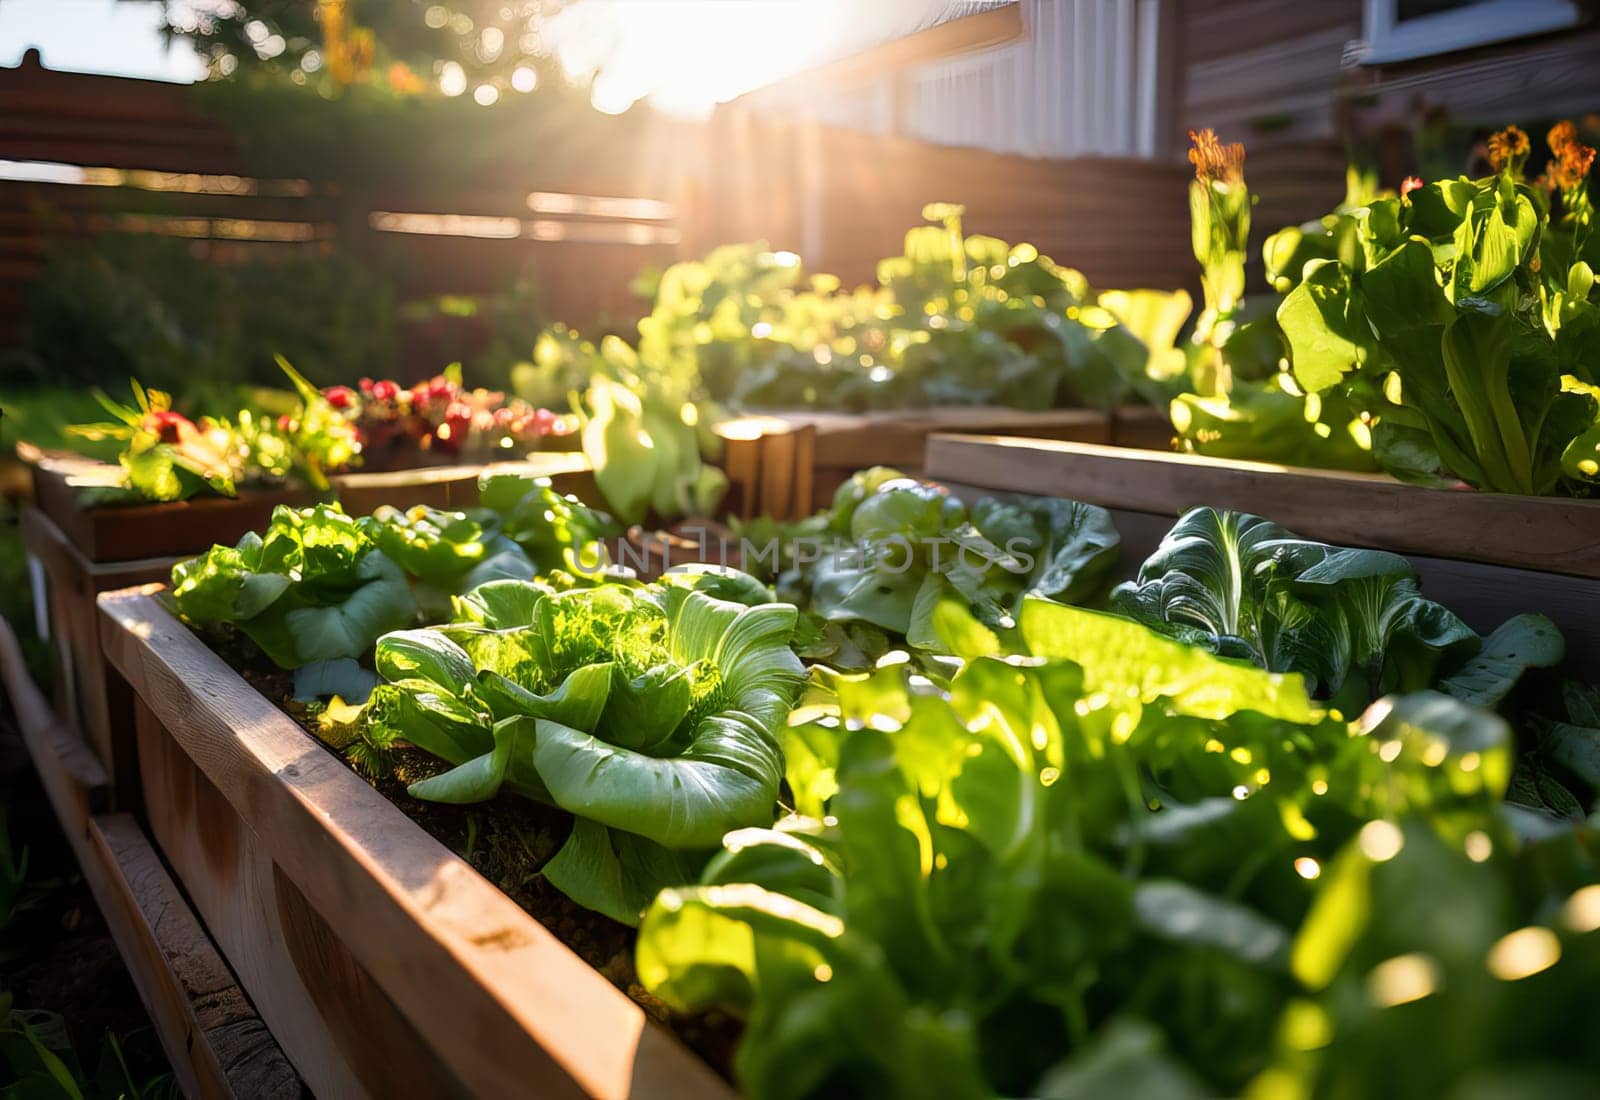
507 840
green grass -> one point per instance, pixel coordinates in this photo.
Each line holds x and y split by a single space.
41 416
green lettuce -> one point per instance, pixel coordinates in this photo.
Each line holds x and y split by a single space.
912 544
993 888
313 587
649 713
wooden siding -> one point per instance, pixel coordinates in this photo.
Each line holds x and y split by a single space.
1280 77
1267 73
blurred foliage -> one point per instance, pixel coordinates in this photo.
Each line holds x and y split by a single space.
400 44
162 310
373 143
953 320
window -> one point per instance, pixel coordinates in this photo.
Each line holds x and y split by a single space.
1399 30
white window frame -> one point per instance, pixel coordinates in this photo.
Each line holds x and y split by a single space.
1388 39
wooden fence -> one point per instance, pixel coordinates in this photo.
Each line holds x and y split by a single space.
86 154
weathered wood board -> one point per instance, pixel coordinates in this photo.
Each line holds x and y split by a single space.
1483 594
788 463
1141 426
131 532
87 698
1547 534
214 1040
382 962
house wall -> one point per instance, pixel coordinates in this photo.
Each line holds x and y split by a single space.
1084 81
1284 77
1267 73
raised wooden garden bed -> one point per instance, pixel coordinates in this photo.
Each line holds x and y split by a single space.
66 583
383 963
787 464
73 574
1486 555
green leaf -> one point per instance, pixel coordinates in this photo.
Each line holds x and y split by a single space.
1576 748
423 655
1117 654
579 701
684 802
1518 644
615 873
1317 320
343 677
1179 913
1129 1059
1402 291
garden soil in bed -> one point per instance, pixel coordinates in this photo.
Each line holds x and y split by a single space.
507 841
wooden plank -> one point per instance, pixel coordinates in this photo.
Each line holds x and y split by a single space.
898 438
214 1040
181 528
145 530
1548 534
1141 426
494 997
779 454
215 1043
311 994
70 774
86 694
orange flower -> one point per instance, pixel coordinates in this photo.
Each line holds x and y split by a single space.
1213 161
1410 184
1508 149
1573 158
403 80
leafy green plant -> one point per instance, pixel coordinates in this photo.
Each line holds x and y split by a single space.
1123 861
1354 622
1024 870
167 456
955 319
1235 398
643 426
1471 341
651 714
899 546
313 587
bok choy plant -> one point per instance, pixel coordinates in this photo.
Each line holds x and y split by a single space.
1353 622
320 585
1118 865
896 546
651 714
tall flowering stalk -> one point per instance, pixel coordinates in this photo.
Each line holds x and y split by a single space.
1568 176
1219 216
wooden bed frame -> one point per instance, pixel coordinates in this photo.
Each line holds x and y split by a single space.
383 963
